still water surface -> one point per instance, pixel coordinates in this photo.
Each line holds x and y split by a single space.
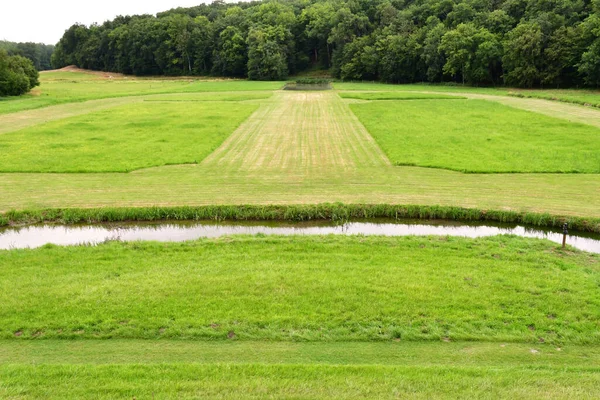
38 235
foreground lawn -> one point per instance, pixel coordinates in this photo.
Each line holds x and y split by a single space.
479 136
304 288
125 138
110 369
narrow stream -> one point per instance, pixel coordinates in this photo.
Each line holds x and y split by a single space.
38 235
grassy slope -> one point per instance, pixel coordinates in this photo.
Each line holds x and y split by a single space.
56 88
304 288
479 136
185 369
123 138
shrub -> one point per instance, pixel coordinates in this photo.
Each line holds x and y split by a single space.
17 75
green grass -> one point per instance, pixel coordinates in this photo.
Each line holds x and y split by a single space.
224 381
319 212
123 138
384 87
395 96
583 97
304 289
300 148
76 87
190 369
479 136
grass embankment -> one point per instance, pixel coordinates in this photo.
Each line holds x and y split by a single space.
395 96
124 138
479 136
68 87
305 288
332 212
190 369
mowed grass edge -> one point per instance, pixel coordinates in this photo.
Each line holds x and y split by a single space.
326 211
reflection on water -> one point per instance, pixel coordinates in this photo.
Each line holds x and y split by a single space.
35 236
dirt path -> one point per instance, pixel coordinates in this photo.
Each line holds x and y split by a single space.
299 131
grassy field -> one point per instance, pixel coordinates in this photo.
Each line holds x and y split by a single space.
584 97
305 288
395 96
305 148
68 87
124 138
577 96
479 136
297 317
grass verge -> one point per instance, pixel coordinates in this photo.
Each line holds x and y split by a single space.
334 212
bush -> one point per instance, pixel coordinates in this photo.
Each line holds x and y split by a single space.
17 75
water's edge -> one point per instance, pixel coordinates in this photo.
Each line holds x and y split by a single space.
38 235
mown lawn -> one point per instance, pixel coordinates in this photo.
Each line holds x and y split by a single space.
68 87
479 136
297 381
125 138
305 288
395 96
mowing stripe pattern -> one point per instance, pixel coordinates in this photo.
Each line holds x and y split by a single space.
299 131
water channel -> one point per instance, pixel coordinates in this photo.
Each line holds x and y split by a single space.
39 235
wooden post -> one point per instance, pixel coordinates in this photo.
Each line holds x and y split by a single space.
565 232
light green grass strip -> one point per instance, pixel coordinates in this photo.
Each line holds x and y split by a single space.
395 96
130 351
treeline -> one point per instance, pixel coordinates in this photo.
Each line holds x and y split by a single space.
39 53
513 42
17 75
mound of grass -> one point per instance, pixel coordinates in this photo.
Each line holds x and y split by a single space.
124 138
304 288
395 96
479 136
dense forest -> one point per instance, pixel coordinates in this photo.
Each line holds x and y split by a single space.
489 42
38 53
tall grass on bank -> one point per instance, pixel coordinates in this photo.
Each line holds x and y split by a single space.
326 211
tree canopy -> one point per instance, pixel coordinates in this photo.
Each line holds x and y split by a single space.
38 53
17 75
514 42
